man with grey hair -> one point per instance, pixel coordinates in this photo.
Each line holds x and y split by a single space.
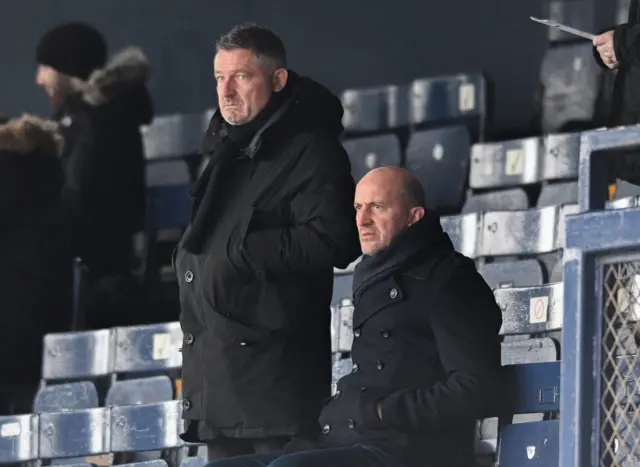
272 216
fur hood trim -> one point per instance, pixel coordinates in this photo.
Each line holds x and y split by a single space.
126 69
30 133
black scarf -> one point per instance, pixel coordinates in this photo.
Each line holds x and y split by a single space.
408 248
228 145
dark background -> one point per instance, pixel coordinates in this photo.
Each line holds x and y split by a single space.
342 43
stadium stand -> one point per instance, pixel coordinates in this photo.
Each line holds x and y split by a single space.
504 203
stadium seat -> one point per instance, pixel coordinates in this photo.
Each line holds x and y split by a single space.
531 310
622 203
374 109
367 153
140 391
514 199
151 463
626 190
175 136
556 194
561 156
147 349
342 287
77 355
341 329
66 397
522 273
576 13
570 81
523 349
18 439
439 158
341 367
194 462
74 434
513 233
449 98
163 173
151 427
168 207
505 164
463 232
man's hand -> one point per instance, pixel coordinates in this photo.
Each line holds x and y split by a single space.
604 45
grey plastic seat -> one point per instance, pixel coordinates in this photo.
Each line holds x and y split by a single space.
77 355
514 199
439 158
66 397
368 153
163 173
374 109
561 156
522 273
148 349
463 232
140 391
556 194
175 136
18 438
342 287
505 164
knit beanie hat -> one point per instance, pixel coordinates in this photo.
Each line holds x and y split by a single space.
75 49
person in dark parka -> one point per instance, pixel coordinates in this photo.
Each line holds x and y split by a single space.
32 248
100 107
426 350
272 216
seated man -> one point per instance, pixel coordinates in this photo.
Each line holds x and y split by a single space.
426 350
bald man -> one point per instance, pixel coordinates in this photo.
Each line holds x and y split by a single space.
426 350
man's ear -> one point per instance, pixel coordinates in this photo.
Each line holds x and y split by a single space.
280 77
415 214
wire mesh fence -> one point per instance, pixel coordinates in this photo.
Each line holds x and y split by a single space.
620 380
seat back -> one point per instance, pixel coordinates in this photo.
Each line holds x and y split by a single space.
463 232
439 158
73 434
149 427
367 153
147 349
505 164
140 391
561 156
521 273
513 199
65 397
77 355
18 439
374 109
175 136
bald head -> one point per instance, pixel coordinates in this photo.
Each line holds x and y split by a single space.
387 201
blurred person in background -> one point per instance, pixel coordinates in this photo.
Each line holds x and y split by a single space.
33 270
100 107
272 216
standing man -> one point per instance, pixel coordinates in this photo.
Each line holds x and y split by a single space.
426 349
272 216
100 107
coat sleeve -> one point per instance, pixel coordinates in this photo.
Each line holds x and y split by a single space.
626 44
322 233
466 328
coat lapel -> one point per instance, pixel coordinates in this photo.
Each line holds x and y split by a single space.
380 296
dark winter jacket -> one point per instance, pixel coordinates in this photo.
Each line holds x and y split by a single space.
255 294
625 102
33 270
104 190
426 348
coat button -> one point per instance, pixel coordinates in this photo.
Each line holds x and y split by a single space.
384 333
188 338
351 424
326 429
361 390
379 365
188 277
243 344
186 404
355 368
393 294
356 332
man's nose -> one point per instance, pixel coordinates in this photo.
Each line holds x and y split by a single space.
363 218
226 89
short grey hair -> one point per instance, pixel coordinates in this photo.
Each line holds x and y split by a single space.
264 43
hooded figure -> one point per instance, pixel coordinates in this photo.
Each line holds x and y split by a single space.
32 247
272 216
100 109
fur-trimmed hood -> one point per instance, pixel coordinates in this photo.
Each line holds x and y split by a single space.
125 71
29 134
